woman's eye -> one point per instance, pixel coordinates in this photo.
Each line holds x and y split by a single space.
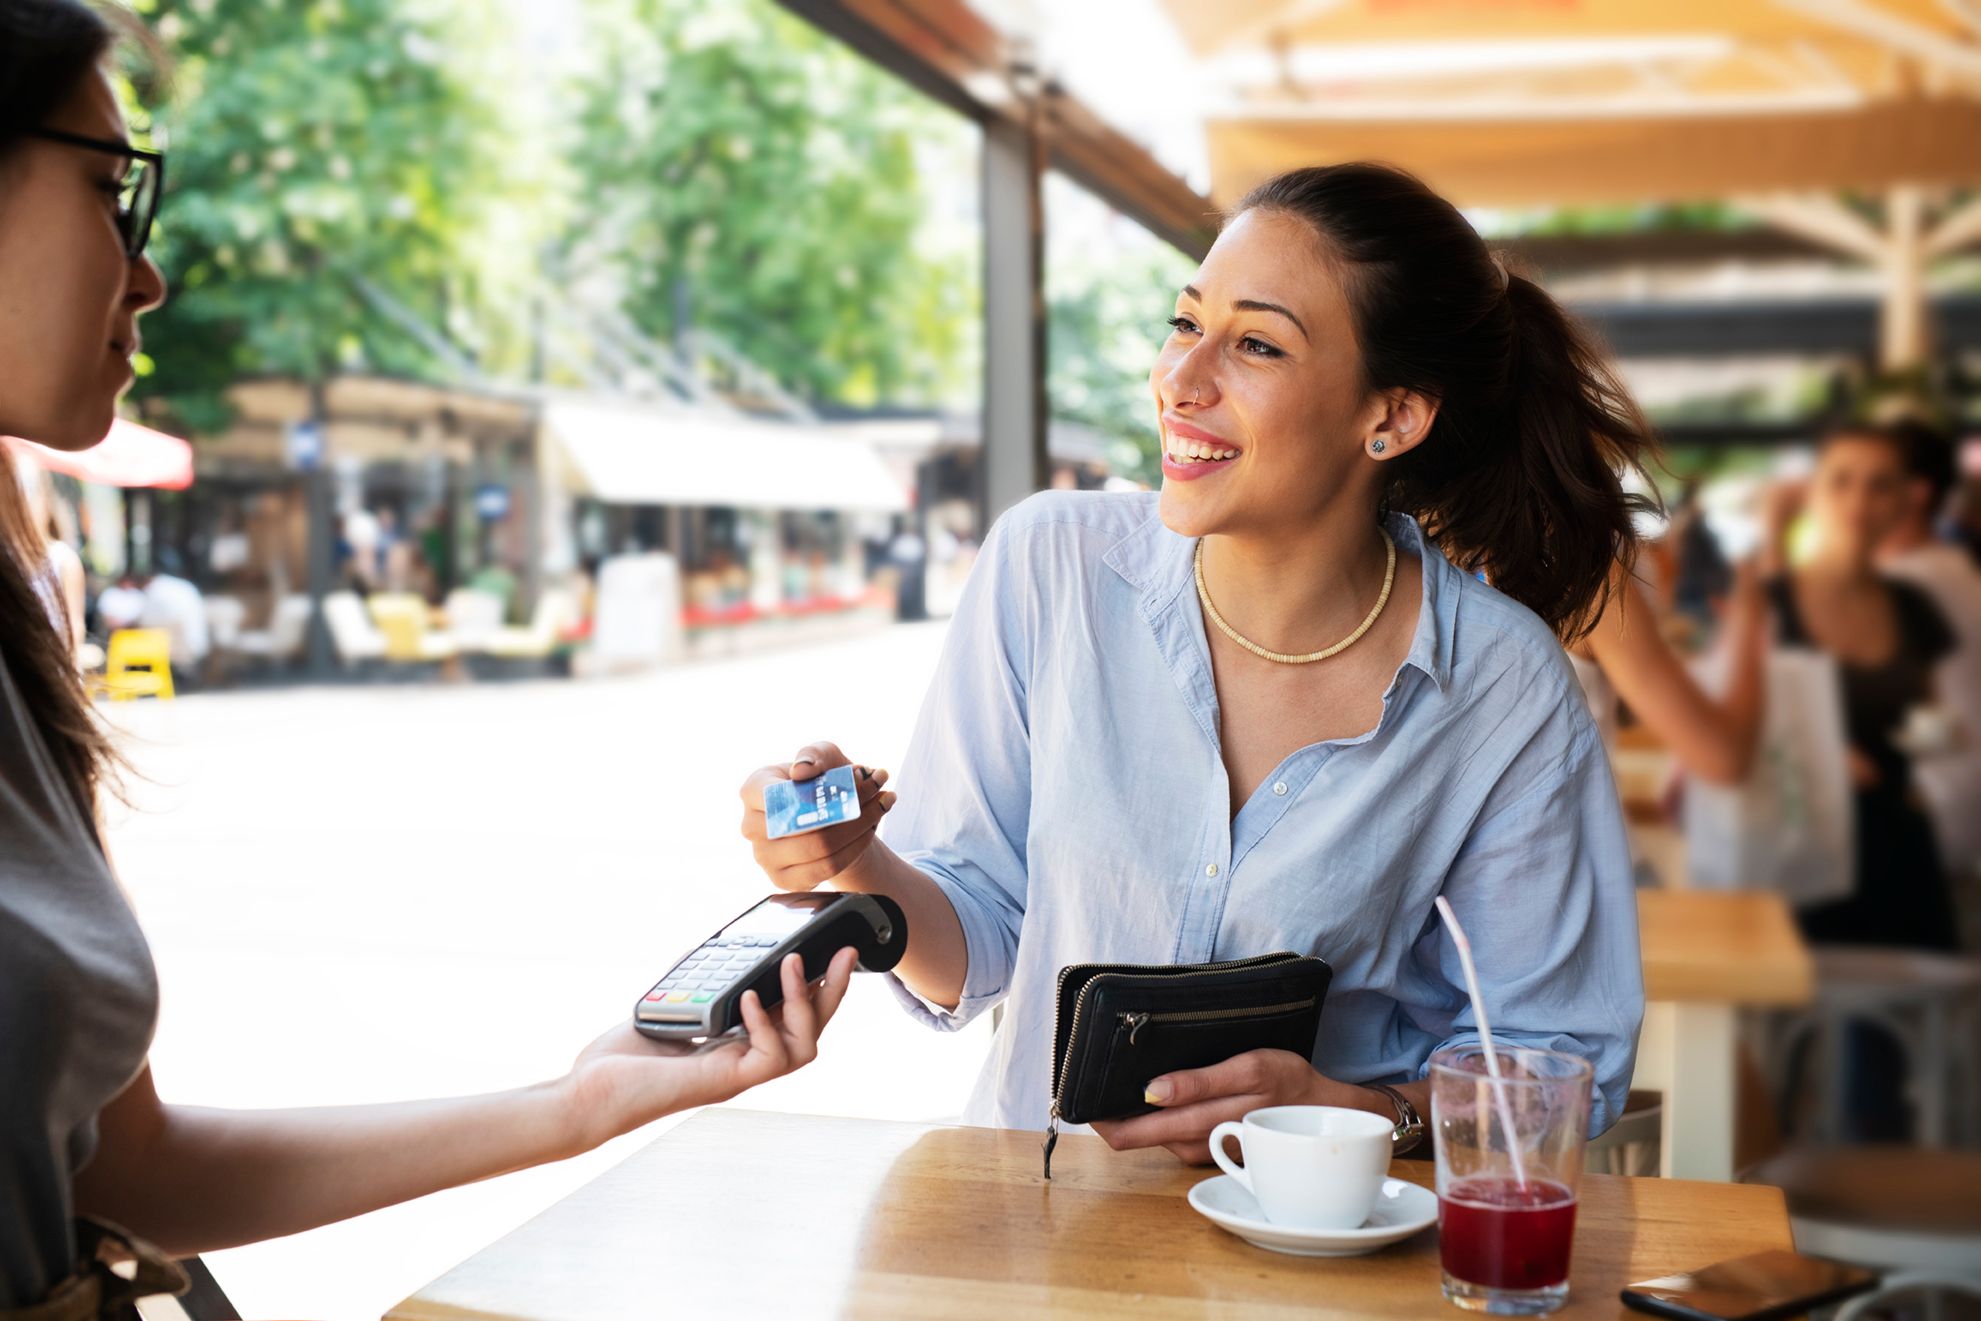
1183 325
1258 348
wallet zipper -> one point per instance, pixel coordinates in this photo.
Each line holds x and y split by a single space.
1059 1000
1135 1022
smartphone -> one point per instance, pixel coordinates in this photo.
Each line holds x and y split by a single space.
1757 1288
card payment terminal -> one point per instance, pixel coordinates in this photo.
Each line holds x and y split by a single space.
701 996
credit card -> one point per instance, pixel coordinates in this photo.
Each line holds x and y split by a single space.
792 807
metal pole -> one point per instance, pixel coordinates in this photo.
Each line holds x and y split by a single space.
1014 447
319 496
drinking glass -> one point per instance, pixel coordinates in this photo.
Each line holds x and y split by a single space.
1505 1229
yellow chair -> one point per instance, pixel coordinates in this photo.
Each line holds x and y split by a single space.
402 618
139 664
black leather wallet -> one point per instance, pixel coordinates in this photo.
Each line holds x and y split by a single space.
1121 1025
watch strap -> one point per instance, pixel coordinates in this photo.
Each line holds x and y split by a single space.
1409 1124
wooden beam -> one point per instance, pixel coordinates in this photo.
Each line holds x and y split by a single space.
1957 229
1597 161
945 50
1267 17
1902 328
1822 219
1890 30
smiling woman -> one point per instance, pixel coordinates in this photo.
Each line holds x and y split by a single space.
1339 724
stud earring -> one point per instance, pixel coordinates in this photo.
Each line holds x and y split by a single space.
1377 446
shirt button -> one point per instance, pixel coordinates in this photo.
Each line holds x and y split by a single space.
1280 788
1211 871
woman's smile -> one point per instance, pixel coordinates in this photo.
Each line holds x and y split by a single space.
1189 453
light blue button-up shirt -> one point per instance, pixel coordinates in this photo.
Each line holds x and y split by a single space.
1066 791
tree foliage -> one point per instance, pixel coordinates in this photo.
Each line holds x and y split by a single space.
311 142
1108 296
744 174
332 160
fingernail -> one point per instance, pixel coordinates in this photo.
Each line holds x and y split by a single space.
888 800
802 760
880 777
1158 1091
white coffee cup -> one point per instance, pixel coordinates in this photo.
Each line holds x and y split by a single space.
1309 1166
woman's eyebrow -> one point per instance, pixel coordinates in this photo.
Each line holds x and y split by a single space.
1254 305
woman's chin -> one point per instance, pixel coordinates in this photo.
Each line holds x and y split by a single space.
71 435
1185 511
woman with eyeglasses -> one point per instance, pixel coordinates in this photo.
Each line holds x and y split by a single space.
82 1131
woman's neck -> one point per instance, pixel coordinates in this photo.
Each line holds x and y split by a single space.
1301 591
1841 567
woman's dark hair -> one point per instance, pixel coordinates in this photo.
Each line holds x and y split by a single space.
1930 457
47 49
1521 475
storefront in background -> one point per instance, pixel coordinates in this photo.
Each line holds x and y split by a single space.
770 526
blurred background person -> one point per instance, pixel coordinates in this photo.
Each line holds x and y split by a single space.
121 604
1888 639
1625 657
173 603
1916 553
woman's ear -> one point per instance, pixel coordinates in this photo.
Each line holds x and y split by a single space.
1401 424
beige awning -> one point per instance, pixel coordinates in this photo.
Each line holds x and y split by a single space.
1603 159
1545 102
629 454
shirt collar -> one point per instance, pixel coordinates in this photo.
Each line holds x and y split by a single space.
1161 565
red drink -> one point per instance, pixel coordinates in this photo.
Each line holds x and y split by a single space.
1494 1233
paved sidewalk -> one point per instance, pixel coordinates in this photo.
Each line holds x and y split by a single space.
384 892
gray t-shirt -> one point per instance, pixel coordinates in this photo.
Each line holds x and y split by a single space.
78 1003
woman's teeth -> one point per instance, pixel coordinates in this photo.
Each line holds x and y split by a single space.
1191 451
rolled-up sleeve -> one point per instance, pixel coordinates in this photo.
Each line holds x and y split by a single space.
966 784
1543 887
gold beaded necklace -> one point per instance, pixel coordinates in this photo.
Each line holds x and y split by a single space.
1389 580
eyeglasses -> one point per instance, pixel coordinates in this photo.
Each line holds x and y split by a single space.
137 204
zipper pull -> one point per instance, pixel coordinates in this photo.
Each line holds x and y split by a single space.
1133 1022
1052 1138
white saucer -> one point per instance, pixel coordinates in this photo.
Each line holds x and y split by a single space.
1401 1209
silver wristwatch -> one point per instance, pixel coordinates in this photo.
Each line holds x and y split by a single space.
1409 1134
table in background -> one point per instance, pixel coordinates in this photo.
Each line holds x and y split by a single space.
1707 955
738 1213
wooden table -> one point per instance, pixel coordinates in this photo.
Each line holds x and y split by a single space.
1706 956
743 1214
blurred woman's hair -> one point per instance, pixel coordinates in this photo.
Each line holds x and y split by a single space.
1930 457
1522 473
48 48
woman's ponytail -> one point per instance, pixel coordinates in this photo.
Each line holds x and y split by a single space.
1521 476
1541 508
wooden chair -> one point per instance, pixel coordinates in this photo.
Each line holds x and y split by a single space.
1913 1214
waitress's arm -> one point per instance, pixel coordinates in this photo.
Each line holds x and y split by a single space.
194 1179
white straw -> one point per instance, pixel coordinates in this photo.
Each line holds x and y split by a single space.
1485 1036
